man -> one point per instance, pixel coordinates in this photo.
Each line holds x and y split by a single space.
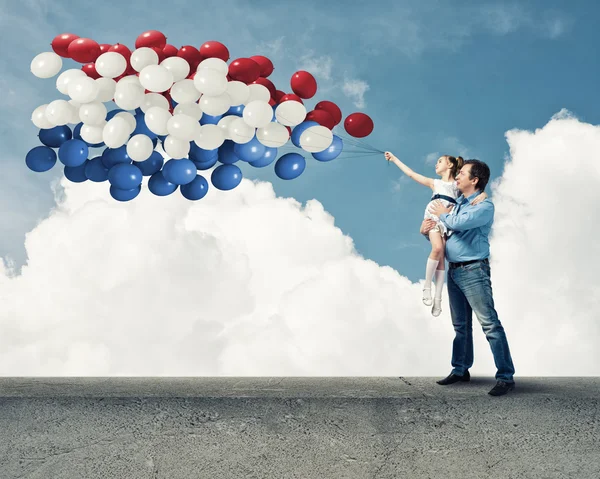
469 283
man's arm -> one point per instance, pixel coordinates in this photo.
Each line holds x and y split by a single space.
472 218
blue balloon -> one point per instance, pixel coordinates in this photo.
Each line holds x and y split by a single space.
159 186
124 195
124 176
200 154
251 151
73 152
267 158
76 174
111 114
195 190
95 170
274 115
290 166
301 128
162 138
332 152
209 119
77 136
226 177
154 142
206 165
139 111
227 154
179 171
40 159
141 128
237 110
114 156
54 137
151 165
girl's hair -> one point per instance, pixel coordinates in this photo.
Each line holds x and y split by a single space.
457 164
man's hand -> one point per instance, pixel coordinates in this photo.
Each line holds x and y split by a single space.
438 208
426 226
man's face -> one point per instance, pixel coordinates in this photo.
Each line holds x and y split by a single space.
462 179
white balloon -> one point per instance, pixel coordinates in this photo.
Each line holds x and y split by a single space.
63 80
156 120
46 65
224 123
238 92
183 127
154 99
214 64
58 112
189 109
116 132
129 96
258 92
156 78
176 148
75 106
93 113
83 89
290 113
140 147
210 82
316 138
129 118
240 131
106 89
92 133
209 137
38 117
215 105
178 67
273 135
111 64
185 91
129 79
258 113
143 57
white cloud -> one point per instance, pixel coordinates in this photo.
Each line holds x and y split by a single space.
450 145
319 67
355 90
245 283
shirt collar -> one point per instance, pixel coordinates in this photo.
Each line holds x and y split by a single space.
461 198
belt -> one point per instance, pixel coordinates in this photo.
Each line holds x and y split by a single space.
443 197
464 263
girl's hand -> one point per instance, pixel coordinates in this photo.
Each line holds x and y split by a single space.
479 198
389 156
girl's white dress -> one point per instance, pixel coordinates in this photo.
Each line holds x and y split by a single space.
446 188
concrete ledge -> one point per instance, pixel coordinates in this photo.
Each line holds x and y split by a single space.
326 428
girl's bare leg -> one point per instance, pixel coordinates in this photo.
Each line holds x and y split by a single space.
439 282
432 263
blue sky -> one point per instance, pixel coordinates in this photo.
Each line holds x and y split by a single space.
437 77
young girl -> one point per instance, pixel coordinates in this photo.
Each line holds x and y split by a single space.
446 191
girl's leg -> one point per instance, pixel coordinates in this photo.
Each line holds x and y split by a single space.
432 263
439 282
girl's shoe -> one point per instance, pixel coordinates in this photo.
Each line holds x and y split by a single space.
427 296
437 307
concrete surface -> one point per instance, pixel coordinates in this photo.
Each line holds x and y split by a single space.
325 428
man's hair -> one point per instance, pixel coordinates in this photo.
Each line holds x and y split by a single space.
481 171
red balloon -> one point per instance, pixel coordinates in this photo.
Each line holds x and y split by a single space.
90 70
122 49
192 55
266 83
104 47
191 76
358 125
244 70
291 96
279 95
84 50
61 43
304 84
321 117
170 51
332 109
272 102
214 49
151 39
266 65
160 53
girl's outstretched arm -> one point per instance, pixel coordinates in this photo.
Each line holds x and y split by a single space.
410 173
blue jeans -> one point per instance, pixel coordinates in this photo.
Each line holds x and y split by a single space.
470 289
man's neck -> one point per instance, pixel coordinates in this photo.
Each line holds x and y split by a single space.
466 194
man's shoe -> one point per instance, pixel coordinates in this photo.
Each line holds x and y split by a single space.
453 378
501 388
